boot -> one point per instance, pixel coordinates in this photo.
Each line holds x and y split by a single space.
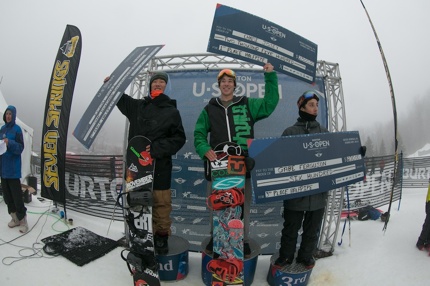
281 261
246 250
14 222
307 262
161 243
210 246
23 225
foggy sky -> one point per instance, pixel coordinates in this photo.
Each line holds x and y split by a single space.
31 31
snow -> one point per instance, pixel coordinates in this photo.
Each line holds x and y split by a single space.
424 151
367 256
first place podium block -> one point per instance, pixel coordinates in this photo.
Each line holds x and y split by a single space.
249 264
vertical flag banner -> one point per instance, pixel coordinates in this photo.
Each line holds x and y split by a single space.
110 93
57 113
246 37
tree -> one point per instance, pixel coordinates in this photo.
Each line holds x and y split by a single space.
382 151
370 147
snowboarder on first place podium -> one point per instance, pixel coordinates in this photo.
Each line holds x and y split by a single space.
231 118
157 118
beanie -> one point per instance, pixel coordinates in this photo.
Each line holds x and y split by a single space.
158 75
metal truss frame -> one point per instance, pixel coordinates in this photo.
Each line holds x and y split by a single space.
336 113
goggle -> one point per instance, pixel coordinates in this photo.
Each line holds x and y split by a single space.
307 95
227 72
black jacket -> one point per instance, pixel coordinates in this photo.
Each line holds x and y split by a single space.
159 120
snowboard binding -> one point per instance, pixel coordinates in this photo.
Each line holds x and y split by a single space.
226 269
137 263
225 198
142 197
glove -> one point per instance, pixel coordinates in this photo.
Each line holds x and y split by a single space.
363 151
249 163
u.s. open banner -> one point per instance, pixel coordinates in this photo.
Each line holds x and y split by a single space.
296 166
243 36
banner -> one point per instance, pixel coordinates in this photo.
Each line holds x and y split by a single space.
110 92
246 37
301 165
57 112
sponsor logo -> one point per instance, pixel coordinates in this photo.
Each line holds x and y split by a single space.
180 180
190 232
196 169
316 144
273 31
263 235
176 168
253 223
198 182
176 207
179 218
190 155
228 183
133 168
198 208
139 182
268 211
197 220
69 47
264 245
190 195
150 272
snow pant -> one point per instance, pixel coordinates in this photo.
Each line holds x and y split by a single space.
425 232
311 222
12 194
161 209
246 209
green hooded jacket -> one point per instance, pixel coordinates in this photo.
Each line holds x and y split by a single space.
234 123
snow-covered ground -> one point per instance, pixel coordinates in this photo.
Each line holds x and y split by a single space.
367 257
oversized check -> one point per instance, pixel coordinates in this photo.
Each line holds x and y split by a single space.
243 36
110 92
296 166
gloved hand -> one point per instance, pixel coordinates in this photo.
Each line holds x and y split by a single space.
249 163
363 150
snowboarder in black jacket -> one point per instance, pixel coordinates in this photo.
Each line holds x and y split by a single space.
304 212
157 118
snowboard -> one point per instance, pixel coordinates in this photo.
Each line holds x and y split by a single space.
141 259
228 174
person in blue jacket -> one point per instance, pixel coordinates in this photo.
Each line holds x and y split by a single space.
10 170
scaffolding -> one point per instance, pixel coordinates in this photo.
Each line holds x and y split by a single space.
330 74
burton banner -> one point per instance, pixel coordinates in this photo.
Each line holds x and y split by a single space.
296 166
108 95
246 37
57 113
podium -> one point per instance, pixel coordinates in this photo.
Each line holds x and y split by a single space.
173 266
295 274
249 264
